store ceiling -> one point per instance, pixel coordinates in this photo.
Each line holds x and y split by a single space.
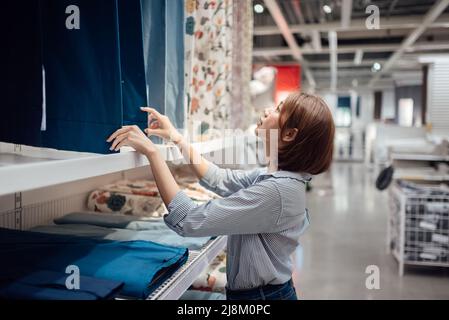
357 48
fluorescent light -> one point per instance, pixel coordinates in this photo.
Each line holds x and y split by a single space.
327 8
376 67
258 8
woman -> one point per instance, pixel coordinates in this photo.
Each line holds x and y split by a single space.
263 211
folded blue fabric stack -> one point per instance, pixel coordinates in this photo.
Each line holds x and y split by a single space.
140 265
120 228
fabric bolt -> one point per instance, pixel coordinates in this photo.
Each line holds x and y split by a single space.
136 187
174 55
164 62
84 83
132 64
21 81
160 233
83 79
141 265
241 109
208 60
118 221
154 37
214 277
140 197
120 228
50 285
123 203
264 214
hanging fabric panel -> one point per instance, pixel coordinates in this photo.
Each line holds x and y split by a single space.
242 111
132 62
209 60
83 85
21 81
164 59
153 18
174 86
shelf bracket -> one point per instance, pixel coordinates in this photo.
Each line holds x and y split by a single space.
18 210
17 148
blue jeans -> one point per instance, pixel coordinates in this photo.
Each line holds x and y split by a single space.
284 291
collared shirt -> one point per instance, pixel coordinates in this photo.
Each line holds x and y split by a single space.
263 215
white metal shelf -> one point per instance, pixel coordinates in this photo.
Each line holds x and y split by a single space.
24 168
175 286
418 157
424 175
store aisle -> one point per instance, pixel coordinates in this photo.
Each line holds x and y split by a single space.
347 234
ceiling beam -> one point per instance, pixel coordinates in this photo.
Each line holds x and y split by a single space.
409 62
316 41
433 13
409 22
358 57
295 50
420 46
346 12
298 11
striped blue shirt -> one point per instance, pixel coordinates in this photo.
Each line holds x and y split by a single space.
263 215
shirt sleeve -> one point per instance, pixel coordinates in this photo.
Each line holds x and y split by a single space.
225 182
249 211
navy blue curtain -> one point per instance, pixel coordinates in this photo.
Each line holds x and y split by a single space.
132 62
83 81
21 73
126 54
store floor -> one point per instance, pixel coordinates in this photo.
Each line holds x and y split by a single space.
348 233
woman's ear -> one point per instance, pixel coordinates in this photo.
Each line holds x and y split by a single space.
289 135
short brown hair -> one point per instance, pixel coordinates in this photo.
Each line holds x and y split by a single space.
312 149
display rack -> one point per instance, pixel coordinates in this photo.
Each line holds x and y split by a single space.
415 166
418 157
24 168
175 286
34 172
418 227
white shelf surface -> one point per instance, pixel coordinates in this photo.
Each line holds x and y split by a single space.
24 168
176 285
418 157
420 174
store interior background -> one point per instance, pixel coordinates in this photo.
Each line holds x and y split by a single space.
381 65
388 88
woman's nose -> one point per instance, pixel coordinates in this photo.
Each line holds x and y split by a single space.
267 112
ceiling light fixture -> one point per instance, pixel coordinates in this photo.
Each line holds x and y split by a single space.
327 8
376 67
258 8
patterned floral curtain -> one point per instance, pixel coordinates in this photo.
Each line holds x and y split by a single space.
242 51
208 50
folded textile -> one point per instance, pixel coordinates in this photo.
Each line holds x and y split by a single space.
213 278
160 233
50 285
109 220
125 203
141 265
137 187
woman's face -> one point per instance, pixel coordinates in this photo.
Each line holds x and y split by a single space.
268 121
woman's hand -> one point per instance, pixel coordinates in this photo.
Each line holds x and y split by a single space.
160 126
133 137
